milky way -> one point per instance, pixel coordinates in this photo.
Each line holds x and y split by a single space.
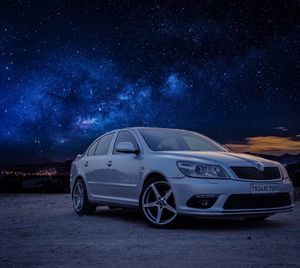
71 70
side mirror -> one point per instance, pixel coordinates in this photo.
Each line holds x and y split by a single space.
126 147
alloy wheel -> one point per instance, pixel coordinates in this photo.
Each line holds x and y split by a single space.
158 203
78 196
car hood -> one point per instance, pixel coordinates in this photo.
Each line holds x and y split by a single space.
227 158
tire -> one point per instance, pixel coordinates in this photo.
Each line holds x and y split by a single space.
257 219
157 203
81 203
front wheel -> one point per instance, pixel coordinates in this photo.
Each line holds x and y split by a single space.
157 203
81 203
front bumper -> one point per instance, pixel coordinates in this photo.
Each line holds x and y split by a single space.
185 188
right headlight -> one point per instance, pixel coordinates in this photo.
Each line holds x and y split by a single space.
283 171
199 170
285 176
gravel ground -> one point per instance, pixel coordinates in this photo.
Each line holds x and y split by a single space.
43 230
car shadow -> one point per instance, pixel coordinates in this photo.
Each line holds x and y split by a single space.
227 224
191 223
119 214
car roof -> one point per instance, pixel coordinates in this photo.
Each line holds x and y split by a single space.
138 128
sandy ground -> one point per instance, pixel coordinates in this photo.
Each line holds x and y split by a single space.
43 230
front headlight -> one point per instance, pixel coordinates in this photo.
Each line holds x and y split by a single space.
198 170
285 176
283 171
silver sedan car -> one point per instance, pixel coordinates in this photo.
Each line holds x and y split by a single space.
170 172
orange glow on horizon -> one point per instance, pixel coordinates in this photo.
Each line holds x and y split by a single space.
267 145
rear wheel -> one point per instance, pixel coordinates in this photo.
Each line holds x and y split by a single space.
81 203
157 203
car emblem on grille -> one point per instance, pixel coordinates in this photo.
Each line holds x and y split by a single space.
260 166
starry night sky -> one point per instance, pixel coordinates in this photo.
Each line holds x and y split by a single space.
72 70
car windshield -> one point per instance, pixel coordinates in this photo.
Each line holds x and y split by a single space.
178 140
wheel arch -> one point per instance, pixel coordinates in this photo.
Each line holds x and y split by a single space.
79 176
151 175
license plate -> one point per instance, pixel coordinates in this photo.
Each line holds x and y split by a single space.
264 188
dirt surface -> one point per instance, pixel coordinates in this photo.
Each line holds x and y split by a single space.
43 230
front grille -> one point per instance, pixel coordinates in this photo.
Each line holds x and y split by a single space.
252 173
253 201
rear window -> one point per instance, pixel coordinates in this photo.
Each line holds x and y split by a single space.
91 150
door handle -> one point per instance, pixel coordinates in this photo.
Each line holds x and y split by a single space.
86 163
109 163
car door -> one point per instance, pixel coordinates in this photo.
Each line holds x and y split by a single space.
97 167
125 169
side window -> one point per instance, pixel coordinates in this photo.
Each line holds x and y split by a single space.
103 145
92 148
125 136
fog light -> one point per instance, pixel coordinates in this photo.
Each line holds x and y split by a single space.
202 200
